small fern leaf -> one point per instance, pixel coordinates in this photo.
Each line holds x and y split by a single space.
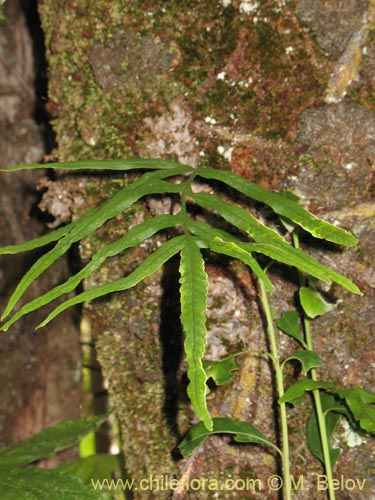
133 237
243 432
193 290
115 165
148 267
283 206
149 183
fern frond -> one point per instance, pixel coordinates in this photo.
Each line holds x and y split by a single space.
291 256
269 243
148 267
237 216
193 290
149 183
283 206
133 237
255 238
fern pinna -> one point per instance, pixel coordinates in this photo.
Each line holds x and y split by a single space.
163 177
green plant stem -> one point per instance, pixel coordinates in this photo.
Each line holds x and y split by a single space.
321 418
280 390
316 396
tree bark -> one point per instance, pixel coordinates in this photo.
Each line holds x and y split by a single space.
239 85
40 373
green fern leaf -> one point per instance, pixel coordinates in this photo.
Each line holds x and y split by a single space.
291 256
132 238
119 165
234 250
193 290
36 242
48 442
202 229
150 183
237 216
282 205
269 243
221 371
148 267
313 303
361 403
308 359
289 324
298 389
243 432
222 242
332 410
43 484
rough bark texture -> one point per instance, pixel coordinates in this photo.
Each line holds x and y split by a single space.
262 89
40 373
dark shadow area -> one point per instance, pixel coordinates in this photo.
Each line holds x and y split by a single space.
41 115
171 338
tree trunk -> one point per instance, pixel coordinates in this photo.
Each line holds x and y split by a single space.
40 373
239 85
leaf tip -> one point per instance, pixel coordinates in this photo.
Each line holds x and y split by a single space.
43 323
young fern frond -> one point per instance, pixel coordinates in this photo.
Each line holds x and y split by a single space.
257 239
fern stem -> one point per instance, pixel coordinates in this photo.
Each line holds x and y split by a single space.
321 418
185 192
280 390
316 395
